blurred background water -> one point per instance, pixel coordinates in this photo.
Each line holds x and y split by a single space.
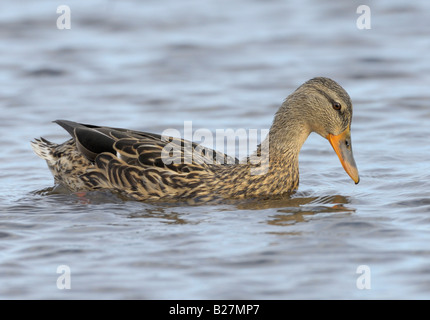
151 65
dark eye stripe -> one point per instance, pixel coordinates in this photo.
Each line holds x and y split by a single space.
336 105
345 121
323 93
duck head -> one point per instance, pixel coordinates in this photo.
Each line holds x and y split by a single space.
321 105
331 118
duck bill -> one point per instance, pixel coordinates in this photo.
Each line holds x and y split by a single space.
342 146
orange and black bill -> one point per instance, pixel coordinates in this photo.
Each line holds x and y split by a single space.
342 146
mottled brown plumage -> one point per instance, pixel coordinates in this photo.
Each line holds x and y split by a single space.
134 163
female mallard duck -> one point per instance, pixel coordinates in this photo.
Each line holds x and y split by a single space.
133 163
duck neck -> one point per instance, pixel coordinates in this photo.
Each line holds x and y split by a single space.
274 168
283 143
286 138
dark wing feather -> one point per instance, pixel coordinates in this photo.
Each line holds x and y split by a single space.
141 148
90 142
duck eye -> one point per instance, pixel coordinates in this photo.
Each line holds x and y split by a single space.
336 106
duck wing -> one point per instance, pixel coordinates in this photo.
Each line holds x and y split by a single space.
141 149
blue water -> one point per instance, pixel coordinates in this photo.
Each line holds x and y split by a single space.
153 65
